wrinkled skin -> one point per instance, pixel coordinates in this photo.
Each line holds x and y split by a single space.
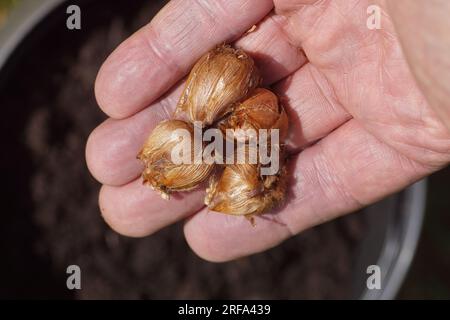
424 32
352 89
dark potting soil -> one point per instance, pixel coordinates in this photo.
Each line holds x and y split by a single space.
51 218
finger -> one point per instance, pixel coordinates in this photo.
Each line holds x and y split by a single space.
343 172
152 60
331 32
270 48
112 147
134 210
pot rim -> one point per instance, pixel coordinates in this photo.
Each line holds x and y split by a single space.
23 18
400 243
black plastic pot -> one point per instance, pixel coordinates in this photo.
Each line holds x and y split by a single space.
394 223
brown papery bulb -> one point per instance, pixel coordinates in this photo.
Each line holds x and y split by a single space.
241 190
261 110
221 77
160 172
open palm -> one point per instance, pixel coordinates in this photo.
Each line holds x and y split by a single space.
364 128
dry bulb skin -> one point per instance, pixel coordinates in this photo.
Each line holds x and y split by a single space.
241 190
222 77
260 110
160 172
222 94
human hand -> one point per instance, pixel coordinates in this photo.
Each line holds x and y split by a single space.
365 129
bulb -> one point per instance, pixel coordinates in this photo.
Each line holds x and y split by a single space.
222 92
160 172
222 77
260 110
241 190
